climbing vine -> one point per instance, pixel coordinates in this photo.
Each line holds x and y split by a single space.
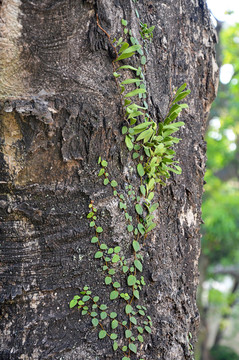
150 144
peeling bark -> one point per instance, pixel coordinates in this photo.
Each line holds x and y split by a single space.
60 110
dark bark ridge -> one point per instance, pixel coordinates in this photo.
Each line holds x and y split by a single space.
49 174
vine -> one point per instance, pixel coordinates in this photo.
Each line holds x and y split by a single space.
151 146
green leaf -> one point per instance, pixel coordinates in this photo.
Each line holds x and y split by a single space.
135 155
95 322
130 228
133 348
103 247
116 284
92 224
131 280
142 189
148 329
130 81
114 183
135 92
93 314
106 181
136 246
128 333
182 87
140 329
96 298
114 294
145 135
140 170
114 324
108 280
90 215
181 96
122 205
117 249
124 130
98 254
131 49
141 312
129 67
102 334
153 207
142 280
141 229
125 269
119 41
139 209
94 240
133 320
113 336
101 172
116 75
99 160
103 315
129 143
73 303
140 338
136 294
111 271
103 307
124 56
99 229
151 227
138 265
104 163
113 315
151 183
151 196
143 60
115 258
115 345
128 309
124 46
124 22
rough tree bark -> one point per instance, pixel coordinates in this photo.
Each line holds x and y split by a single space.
60 110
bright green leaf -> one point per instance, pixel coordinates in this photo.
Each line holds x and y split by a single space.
114 324
136 245
98 254
138 265
140 170
133 348
131 280
108 280
139 209
128 309
114 294
102 334
135 92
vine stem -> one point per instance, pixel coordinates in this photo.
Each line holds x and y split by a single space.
108 36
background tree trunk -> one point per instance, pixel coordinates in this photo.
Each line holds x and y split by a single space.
60 110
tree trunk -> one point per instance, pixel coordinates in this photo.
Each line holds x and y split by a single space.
60 111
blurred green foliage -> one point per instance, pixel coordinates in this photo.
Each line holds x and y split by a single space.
223 353
221 199
220 240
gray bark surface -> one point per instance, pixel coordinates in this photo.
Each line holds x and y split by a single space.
61 110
